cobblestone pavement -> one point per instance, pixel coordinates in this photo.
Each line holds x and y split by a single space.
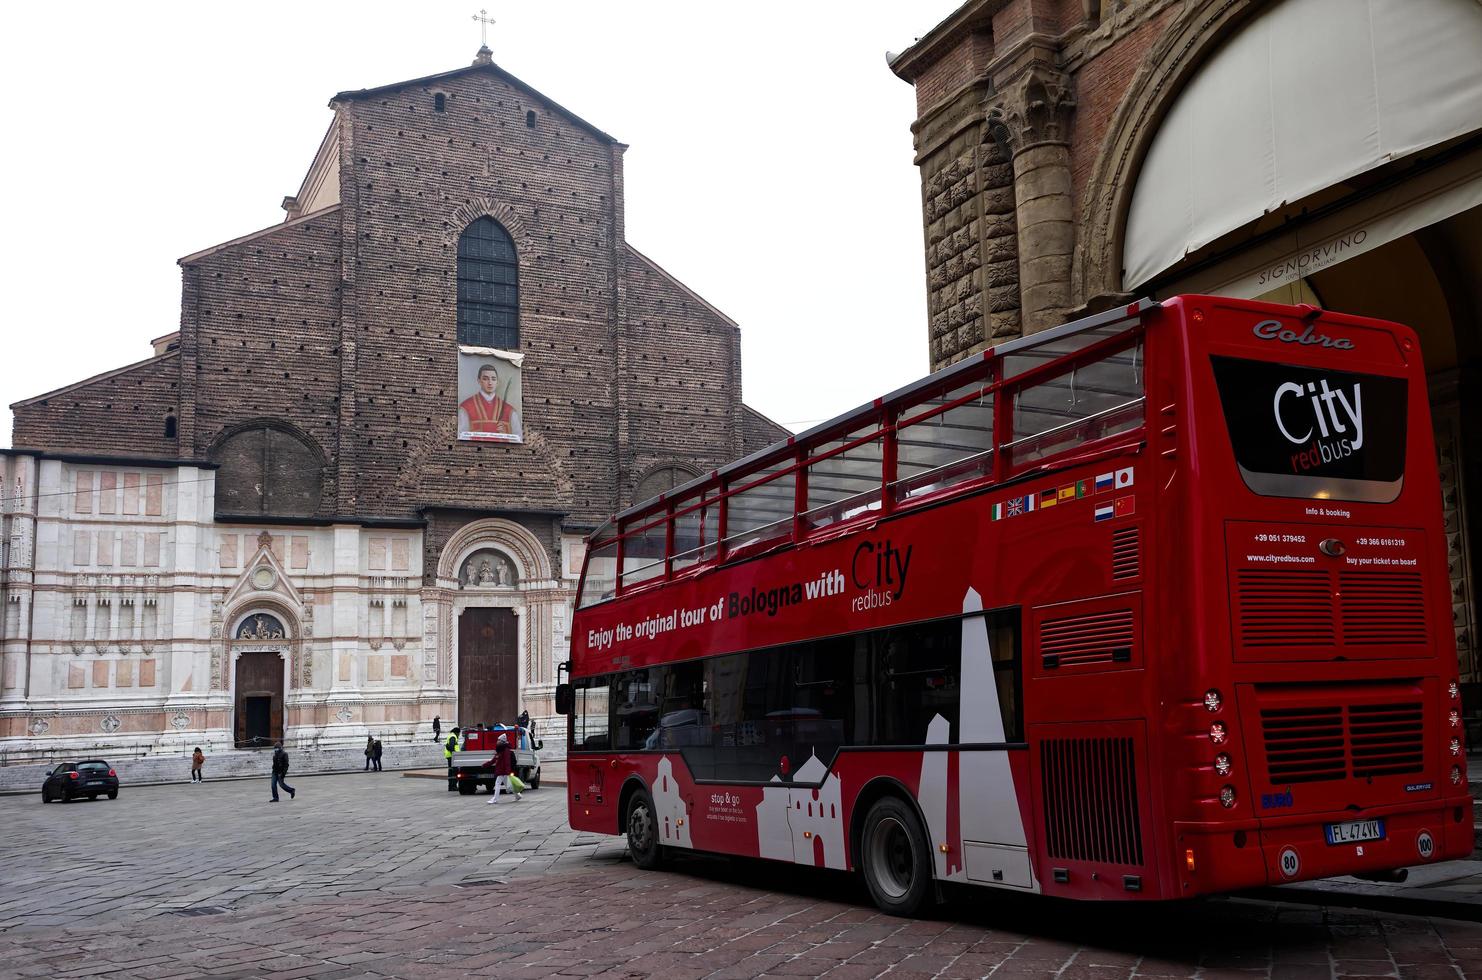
380 876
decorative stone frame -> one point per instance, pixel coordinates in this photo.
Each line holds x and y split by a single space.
488 207
1172 61
289 649
532 599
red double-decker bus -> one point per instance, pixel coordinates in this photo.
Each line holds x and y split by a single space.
1147 606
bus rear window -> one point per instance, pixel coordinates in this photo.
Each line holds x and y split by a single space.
1314 433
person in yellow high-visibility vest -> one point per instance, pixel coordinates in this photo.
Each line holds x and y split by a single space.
449 747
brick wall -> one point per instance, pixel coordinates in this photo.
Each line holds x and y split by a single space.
122 412
758 431
1101 85
340 327
683 361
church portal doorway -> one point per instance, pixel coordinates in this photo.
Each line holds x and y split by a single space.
259 714
488 682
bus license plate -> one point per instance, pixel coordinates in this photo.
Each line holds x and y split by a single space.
1355 831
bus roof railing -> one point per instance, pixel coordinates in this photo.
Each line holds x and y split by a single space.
942 377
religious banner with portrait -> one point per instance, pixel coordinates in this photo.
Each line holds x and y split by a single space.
489 395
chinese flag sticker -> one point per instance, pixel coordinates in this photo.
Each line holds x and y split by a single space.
1125 506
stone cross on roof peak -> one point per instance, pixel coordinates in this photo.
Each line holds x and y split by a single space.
484 56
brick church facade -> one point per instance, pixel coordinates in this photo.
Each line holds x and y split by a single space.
286 522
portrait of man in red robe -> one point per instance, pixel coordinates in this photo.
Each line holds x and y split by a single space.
485 413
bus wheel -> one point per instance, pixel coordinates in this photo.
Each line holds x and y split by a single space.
643 832
896 859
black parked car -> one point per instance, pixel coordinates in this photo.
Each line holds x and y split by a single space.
91 778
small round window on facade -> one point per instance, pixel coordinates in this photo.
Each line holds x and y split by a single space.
439 102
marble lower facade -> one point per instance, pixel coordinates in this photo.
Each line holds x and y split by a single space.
133 623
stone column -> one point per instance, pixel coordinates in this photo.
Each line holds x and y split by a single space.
1031 116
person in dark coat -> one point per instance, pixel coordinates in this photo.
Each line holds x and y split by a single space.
376 755
437 728
280 770
370 744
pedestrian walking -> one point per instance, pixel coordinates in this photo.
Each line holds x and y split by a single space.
504 767
280 771
437 728
370 744
376 755
449 747
197 760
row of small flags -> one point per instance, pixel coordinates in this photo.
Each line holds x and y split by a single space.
1102 483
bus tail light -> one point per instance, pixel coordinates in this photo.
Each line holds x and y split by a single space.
1222 764
1218 733
1456 775
1189 859
1212 700
1454 690
1454 718
1227 796
1455 745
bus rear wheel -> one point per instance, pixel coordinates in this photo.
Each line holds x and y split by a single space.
896 858
643 832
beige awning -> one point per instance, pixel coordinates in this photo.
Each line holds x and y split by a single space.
1377 220
1307 95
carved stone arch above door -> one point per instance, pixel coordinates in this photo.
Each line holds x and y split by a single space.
532 564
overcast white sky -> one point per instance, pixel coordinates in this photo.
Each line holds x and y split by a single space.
769 165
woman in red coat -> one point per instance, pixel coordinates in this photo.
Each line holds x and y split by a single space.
504 765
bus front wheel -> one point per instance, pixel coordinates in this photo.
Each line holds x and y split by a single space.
896 858
643 832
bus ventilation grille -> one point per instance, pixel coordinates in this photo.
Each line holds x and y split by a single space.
1090 799
1126 554
1313 744
1287 608
1096 638
1382 607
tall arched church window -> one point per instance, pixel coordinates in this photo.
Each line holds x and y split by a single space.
488 287
266 470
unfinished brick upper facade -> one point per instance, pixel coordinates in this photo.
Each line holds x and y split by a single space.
341 322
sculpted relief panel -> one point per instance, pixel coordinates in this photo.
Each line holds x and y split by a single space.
487 569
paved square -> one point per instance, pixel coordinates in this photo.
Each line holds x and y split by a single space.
376 875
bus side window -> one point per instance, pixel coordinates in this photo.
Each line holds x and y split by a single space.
590 723
916 679
635 707
601 574
949 447
684 710
1088 402
1005 645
